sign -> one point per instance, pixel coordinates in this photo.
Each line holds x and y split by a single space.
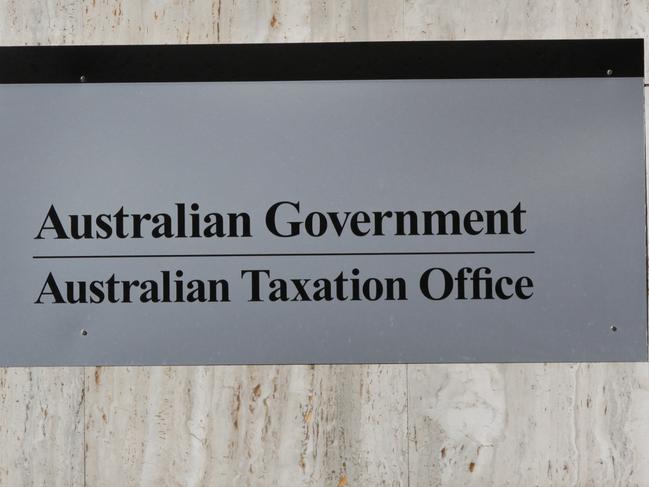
360 203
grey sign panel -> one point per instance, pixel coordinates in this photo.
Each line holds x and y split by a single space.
468 220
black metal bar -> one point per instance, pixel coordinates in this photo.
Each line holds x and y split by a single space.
323 61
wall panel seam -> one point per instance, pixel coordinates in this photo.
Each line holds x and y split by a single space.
83 425
407 426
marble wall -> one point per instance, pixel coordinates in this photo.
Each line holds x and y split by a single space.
397 425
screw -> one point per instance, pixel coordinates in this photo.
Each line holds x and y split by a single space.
84 332
609 72
613 328
83 78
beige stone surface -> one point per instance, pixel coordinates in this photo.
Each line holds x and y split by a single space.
532 424
486 424
41 427
271 425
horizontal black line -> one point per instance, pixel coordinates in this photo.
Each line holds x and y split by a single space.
595 58
280 254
